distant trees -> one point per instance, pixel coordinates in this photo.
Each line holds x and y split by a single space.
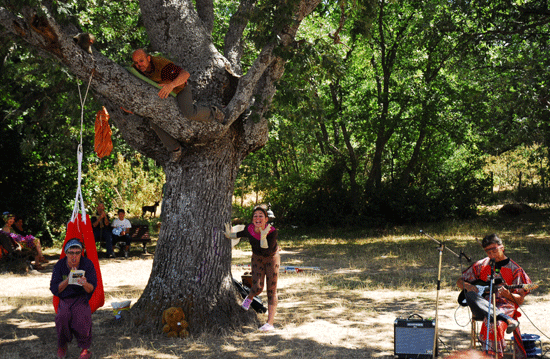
393 121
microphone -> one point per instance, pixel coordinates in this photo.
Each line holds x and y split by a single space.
492 265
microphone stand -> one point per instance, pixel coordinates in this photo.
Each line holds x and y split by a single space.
491 281
441 249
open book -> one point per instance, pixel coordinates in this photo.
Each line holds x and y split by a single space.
75 275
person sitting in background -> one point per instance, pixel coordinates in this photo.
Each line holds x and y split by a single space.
7 246
18 228
25 242
102 230
121 226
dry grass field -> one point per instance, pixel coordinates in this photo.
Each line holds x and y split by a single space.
344 310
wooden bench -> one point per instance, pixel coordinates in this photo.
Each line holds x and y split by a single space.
139 233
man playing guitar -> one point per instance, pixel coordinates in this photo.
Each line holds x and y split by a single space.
508 273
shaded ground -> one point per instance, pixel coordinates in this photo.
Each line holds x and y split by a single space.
345 310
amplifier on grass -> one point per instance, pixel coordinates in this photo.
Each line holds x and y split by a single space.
414 337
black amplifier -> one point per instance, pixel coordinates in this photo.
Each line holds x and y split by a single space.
414 337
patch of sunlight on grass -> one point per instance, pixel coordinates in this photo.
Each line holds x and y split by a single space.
26 324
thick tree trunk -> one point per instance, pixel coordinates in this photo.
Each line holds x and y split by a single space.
192 266
405 177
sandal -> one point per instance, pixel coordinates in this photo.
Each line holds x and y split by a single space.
38 266
85 354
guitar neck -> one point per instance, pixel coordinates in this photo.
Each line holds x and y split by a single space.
500 282
514 286
509 287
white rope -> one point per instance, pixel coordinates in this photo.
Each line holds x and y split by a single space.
79 152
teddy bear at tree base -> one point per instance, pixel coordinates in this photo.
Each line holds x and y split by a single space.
174 322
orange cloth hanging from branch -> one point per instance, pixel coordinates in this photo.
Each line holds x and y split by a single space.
103 144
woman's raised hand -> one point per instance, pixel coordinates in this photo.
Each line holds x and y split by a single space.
231 235
263 236
227 233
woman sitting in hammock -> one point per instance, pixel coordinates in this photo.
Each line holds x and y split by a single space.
25 241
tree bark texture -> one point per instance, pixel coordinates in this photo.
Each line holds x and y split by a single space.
192 261
191 268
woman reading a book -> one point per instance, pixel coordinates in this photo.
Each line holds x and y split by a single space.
73 281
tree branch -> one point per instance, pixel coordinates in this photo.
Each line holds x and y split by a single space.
248 83
205 10
336 35
175 29
233 42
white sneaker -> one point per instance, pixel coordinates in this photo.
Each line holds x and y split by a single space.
266 327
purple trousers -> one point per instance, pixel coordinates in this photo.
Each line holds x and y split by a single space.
74 317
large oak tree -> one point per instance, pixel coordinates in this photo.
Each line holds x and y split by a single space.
191 268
